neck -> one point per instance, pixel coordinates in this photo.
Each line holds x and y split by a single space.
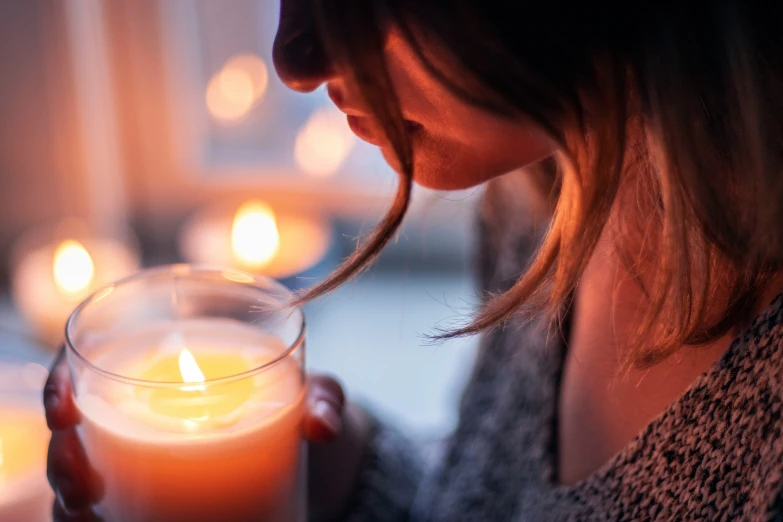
602 405
610 305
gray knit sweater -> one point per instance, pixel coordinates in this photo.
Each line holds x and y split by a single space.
714 454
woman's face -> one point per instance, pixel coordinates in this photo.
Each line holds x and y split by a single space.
455 144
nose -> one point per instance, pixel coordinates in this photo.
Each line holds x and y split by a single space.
298 52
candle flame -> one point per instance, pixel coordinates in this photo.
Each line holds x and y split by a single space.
254 235
1 453
73 267
190 370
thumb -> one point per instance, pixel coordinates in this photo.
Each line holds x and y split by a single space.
60 410
324 416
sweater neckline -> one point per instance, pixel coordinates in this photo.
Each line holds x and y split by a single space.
768 318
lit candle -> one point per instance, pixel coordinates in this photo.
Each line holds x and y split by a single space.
195 451
253 238
24 491
51 276
192 418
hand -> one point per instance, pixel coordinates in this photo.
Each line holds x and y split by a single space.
338 431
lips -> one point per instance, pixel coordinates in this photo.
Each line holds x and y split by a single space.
361 126
361 123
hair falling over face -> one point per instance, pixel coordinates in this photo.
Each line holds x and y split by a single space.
674 109
359 42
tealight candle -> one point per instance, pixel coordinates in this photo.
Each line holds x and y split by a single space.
254 238
54 272
24 491
190 386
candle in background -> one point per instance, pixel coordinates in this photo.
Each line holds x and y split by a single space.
24 491
54 270
190 385
254 238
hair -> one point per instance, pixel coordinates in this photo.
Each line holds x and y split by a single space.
671 108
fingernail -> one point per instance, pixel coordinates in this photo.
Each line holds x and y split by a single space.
328 415
63 504
51 401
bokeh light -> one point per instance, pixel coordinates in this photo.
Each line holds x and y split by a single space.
236 88
254 235
73 267
255 69
323 143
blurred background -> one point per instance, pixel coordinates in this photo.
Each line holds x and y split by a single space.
135 133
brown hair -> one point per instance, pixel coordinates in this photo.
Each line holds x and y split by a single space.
672 108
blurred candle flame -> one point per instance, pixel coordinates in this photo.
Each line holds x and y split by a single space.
190 370
323 143
254 235
73 267
237 87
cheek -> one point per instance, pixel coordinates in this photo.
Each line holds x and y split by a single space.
460 146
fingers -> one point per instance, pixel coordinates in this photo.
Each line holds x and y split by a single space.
325 403
76 485
61 514
333 468
61 412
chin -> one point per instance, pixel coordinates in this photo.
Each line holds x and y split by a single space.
437 174
444 180
457 172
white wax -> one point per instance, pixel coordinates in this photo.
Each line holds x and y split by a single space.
159 463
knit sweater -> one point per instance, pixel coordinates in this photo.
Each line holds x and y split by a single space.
716 453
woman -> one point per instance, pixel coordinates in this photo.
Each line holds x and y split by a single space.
632 367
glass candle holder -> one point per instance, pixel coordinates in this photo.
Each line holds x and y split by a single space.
191 386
